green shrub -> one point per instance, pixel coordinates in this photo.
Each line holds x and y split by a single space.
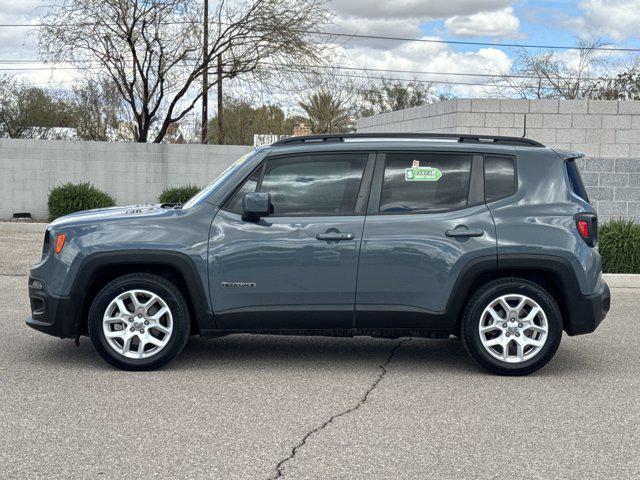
178 194
620 246
74 197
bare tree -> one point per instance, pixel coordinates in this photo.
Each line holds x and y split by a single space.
98 110
152 50
623 86
549 74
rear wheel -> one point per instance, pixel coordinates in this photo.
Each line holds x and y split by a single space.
139 322
512 326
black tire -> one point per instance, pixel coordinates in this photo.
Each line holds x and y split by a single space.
154 284
472 317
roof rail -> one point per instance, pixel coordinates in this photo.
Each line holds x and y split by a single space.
465 138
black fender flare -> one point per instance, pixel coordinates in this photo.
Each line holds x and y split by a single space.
179 261
559 267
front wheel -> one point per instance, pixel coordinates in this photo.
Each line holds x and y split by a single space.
139 322
512 326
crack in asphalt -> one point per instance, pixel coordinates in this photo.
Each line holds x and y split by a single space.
13 274
360 403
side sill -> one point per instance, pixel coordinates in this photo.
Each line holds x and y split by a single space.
354 332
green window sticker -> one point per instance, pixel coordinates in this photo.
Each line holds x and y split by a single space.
421 174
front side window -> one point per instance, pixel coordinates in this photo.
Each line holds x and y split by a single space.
425 182
250 184
325 184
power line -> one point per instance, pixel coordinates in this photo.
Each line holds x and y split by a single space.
381 37
482 44
331 67
439 82
455 74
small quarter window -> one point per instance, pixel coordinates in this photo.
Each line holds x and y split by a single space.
575 180
499 177
425 182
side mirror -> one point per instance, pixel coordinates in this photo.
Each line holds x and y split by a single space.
256 205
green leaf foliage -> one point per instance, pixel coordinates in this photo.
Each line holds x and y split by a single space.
620 246
178 194
76 197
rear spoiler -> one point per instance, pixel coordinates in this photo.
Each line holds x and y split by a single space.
568 154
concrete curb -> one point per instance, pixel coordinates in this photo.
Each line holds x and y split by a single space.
23 227
622 280
615 280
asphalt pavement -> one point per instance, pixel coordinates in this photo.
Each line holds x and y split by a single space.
251 407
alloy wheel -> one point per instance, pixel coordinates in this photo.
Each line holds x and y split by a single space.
137 324
513 328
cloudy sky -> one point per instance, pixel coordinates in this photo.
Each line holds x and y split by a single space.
549 22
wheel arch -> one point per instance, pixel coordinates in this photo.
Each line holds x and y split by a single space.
554 274
100 268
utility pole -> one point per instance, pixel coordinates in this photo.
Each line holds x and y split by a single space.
205 74
219 84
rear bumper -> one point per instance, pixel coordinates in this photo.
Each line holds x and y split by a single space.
50 314
586 312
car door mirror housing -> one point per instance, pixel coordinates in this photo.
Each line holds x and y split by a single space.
256 205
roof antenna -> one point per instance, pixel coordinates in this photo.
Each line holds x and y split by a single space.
524 133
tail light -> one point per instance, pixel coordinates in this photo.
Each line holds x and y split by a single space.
587 224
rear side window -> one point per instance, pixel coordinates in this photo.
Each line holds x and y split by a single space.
575 180
499 177
425 182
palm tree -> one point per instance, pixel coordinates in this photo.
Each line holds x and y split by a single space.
327 113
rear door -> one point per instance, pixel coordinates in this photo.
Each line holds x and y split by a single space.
296 268
426 221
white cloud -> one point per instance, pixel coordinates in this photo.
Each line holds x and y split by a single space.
19 7
616 19
433 57
417 9
376 27
498 23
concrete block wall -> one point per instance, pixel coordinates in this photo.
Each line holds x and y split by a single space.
606 131
131 172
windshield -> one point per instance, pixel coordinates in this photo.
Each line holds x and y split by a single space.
199 197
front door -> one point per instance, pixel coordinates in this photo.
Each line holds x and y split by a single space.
296 268
427 221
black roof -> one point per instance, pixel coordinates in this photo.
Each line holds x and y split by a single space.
464 138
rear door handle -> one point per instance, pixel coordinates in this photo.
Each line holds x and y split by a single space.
334 236
464 232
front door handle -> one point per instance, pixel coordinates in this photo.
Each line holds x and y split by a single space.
334 236
464 232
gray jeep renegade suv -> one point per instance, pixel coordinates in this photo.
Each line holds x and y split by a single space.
491 239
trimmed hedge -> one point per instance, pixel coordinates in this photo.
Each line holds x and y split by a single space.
620 246
75 197
178 194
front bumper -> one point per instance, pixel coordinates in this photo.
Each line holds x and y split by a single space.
586 312
51 314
